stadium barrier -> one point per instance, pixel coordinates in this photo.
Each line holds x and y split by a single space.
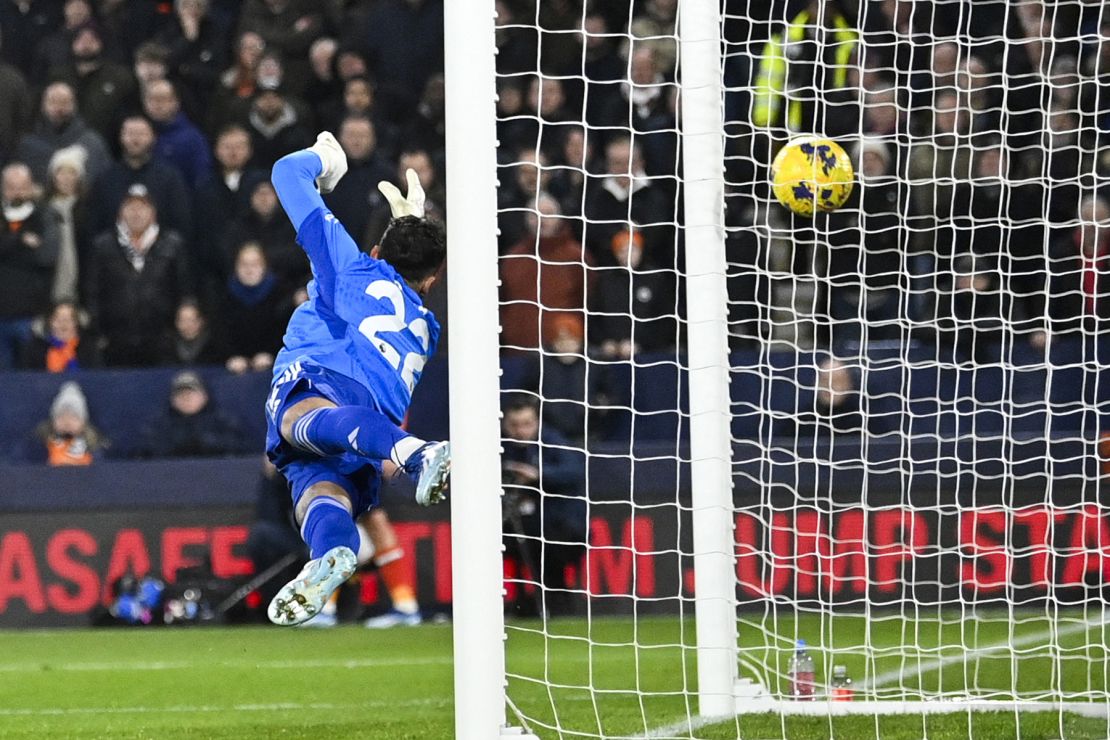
67 534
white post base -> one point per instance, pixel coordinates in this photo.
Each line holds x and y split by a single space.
517 733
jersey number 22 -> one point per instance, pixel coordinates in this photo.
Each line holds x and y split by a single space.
372 327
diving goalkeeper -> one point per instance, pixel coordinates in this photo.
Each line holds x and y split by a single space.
344 378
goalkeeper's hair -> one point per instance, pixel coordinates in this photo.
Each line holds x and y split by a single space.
416 247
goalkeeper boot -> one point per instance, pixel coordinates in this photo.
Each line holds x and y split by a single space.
429 467
305 596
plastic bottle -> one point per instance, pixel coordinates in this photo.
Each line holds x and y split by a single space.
842 689
802 674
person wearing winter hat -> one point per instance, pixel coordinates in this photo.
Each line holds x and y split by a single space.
67 437
66 198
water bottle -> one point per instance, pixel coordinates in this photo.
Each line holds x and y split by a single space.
842 689
802 674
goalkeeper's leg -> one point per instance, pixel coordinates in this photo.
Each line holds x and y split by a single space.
324 512
317 425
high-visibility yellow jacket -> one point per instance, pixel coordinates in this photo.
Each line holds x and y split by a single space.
774 67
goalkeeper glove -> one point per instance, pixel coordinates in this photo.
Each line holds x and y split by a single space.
400 205
332 159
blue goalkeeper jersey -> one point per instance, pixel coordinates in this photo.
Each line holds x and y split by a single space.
361 319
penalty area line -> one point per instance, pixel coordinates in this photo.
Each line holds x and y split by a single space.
210 708
175 665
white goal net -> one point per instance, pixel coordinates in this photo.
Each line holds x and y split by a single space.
909 461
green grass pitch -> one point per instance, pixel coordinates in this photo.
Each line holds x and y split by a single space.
575 679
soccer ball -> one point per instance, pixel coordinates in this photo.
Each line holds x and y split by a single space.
811 173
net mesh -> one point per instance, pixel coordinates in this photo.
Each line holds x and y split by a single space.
915 378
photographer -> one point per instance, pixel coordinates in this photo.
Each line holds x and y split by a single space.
545 508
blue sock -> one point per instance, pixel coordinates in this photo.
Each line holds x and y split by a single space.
328 524
359 429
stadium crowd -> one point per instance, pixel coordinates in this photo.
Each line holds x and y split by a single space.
139 224
979 133
140 227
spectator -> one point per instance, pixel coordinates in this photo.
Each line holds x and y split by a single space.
192 342
403 45
196 46
560 40
61 126
1061 156
28 255
357 100
137 275
356 196
15 109
255 310
657 26
978 317
428 127
604 68
59 345
225 197
238 83
67 438
866 248
517 47
634 310
576 161
513 124
940 167
1079 280
529 176
151 64
564 381
814 73
276 127
544 479
66 196
192 425
104 88
643 105
624 196
265 224
287 26
179 141
546 108
543 276
323 85
138 165
836 402
980 92
130 24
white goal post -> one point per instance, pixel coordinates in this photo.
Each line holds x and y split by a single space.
883 431
476 513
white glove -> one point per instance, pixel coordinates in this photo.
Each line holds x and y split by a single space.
334 161
399 205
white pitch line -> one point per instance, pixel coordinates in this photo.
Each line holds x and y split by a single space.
888 677
688 726
210 708
175 665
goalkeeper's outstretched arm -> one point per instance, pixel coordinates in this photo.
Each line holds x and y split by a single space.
300 177
296 178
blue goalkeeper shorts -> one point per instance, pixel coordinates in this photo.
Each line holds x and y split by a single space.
360 478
